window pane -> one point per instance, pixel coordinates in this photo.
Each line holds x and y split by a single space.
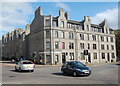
87 28
72 45
102 38
94 37
82 36
113 56
71 56
47 22
56 59
88 37
102 47
82 56
71 36
56 45
112 47
107 39
107 47
111 39
88 46
103 55
62 34
81 45
56 34
95 55
47 34
63 45
62 23
94 46
55 23
47 45
48 59
69 45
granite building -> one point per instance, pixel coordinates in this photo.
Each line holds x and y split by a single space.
54 40
13 43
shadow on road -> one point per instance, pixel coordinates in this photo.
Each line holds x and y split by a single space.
118 64
8 62
20 71
68 75
58 74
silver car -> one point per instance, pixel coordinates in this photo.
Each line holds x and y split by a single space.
25 65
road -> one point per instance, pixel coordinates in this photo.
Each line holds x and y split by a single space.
101 74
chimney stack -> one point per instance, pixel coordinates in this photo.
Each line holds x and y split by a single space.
38 11
61 12
67 16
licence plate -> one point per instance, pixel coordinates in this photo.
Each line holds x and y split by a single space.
87 72
28 66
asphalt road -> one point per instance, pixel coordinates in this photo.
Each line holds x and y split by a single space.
102 74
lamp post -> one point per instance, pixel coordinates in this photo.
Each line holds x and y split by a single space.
34 56
2 48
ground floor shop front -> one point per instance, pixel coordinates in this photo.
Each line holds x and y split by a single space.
54 58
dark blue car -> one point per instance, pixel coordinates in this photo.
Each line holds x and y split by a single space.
75 68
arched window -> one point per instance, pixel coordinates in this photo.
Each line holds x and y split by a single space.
62 23
87 28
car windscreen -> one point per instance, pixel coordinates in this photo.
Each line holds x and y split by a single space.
27 63
79 64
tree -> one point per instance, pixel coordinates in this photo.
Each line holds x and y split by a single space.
117 36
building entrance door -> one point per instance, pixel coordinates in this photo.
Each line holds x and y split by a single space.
108 57
89 58
48 59
63 57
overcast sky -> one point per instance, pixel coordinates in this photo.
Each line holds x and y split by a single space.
18 14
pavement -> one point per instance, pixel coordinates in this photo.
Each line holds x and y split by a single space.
11 63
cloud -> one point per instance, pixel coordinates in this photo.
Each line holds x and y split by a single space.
63 5
14 14
111 15
19 0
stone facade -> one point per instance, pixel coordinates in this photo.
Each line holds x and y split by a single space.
13 43
53 40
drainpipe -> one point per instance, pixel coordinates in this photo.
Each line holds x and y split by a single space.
99 48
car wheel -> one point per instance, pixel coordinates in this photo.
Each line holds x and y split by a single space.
74 73
20 69
15 68
32 70
62 72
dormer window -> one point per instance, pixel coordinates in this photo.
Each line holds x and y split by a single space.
87 28
62 24
47 22
54 23
106 30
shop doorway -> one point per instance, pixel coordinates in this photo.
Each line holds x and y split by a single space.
48 59
108 57
89 58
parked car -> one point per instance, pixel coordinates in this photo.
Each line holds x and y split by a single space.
25 65
75 68
117 58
